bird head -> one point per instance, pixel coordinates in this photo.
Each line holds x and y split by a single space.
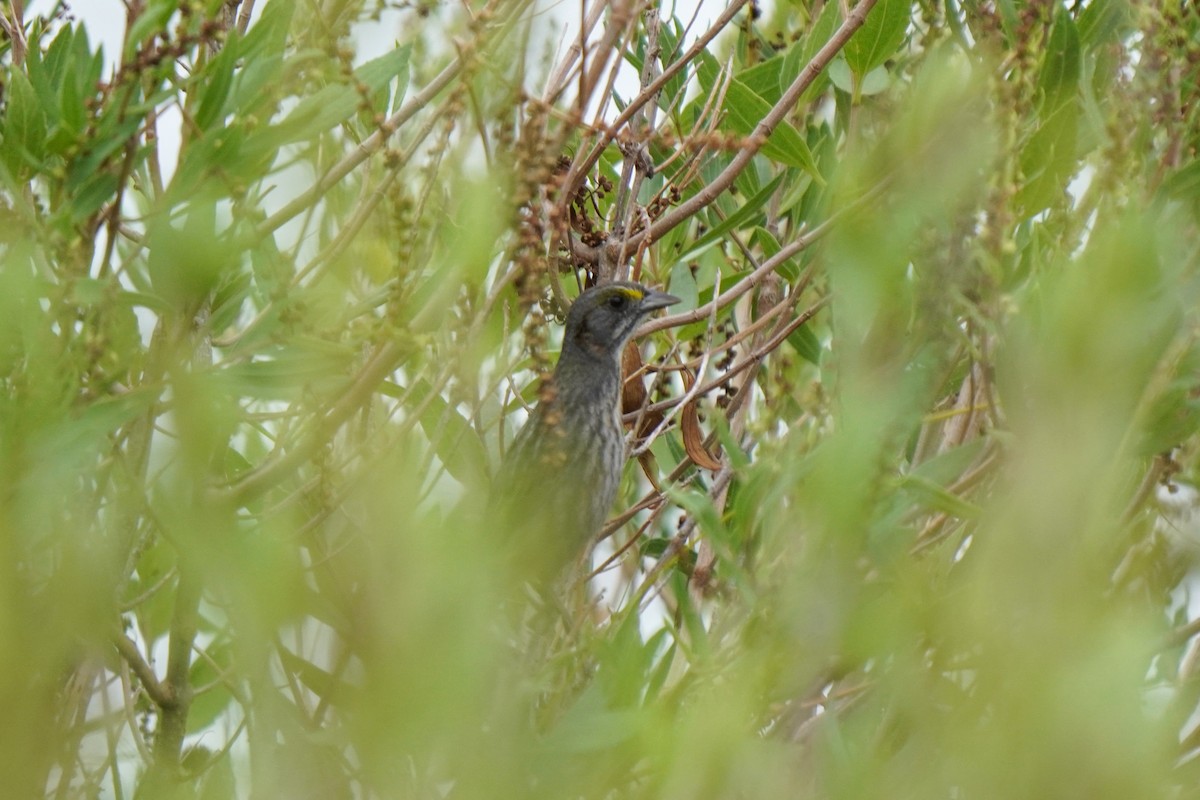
604 317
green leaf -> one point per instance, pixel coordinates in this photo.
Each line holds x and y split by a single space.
947 466
1059 76
799 55
669 38
764 78
269 34
767 242
806 344
1102 21
72 110
217 780
189 254
874 82
335 104
154 614
89 292
454 439
691 619
87 79
154 611
700 507
92 195
320 682
89 431
66 82
1184 183
1009 19
213 83
224 152
624 662
261 52
735 221
683 286
284 372
737 457
589 726
661 670
744 110
879 37
43 80
112 132
933 496
1048 159
59 59
214 696
24 125
145 300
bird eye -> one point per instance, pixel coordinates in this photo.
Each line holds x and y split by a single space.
617 301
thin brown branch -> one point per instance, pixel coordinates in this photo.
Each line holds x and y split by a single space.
561 78
157 692
581 167
243 20
748 361
14 29
738 289
763 130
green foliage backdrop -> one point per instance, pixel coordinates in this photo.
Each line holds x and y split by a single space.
270 312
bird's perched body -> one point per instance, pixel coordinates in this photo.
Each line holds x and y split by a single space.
561 474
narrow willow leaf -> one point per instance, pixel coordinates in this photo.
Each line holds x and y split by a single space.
335 104
879 37
454 440
936 497
806 344
1059 77
739 219
744 110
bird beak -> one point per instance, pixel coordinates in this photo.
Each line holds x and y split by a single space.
656 300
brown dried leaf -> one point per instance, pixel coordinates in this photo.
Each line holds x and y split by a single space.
633 390
649 466
693 437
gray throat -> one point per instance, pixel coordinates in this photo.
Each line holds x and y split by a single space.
584 379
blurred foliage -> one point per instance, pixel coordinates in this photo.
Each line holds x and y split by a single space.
912 510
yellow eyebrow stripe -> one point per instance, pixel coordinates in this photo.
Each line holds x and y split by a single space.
633 294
